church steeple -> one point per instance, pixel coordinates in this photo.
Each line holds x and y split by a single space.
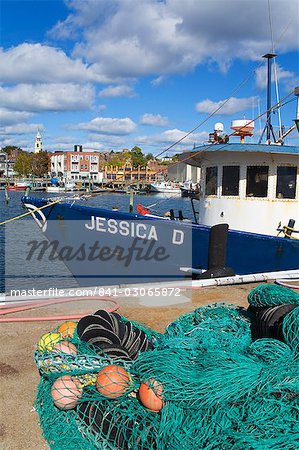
38 146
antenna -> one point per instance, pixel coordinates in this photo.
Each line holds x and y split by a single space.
296 92
296 125
268 127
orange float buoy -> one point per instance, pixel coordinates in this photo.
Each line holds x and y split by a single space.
113 381
66 392
65 347
150 395
67 329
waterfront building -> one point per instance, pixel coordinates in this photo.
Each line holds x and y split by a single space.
78 165
7 162
128 173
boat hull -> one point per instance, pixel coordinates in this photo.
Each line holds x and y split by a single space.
186 244
16 188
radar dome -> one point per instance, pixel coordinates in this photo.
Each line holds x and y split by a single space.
218 126
243 126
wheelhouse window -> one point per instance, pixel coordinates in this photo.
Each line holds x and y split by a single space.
211 180
257 181
230 180
286 182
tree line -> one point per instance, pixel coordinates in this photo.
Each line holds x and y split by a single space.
37 164
26 164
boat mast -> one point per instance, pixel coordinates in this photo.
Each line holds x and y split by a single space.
296 125
268 127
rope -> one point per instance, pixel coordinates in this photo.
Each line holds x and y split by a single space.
29 212
285 230
288 285
38 304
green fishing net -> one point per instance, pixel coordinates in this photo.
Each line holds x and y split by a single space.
203 384
272 295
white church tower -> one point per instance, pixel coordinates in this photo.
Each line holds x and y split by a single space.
38 146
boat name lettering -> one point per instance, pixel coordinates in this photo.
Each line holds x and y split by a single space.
177 237
132 228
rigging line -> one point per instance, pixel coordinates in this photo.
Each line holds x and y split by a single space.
275 71
159 202
207 118
277 97
271 28
237 88
214 112
29 212
218 145
231 134
289 101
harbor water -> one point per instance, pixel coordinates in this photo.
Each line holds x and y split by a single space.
17 273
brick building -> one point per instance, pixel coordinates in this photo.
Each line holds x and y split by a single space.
77 165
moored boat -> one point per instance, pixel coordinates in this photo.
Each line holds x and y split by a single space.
248 193
18 186
165 187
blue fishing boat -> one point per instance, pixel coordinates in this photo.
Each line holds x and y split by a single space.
106 247
245 217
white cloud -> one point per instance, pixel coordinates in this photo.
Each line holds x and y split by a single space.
132 38
107 125
282 75
25 144
28 63
108 142
21 128
8 117
117 91
158 81
170 137
47 97
233 105
95 145
101 107
155 120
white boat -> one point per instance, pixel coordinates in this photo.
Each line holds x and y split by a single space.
167 187
252 187
55 189
248 194
66 186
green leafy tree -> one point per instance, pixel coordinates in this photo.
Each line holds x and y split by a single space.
40 164
10 148
137 157
149 157
119 159
23 164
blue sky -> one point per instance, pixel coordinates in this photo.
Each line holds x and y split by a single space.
111 74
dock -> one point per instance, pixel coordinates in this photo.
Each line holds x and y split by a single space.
20 428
